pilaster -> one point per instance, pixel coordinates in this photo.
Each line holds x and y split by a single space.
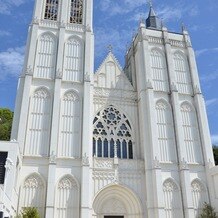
155 201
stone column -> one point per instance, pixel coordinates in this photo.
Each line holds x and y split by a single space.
53 152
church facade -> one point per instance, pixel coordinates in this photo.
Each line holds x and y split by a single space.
117 143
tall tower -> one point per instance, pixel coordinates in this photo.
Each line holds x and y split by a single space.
174 128
53 91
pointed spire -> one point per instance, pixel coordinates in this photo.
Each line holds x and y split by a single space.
153 21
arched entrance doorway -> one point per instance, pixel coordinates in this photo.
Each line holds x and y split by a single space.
116 201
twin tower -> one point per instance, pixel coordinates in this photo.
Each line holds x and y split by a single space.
118 143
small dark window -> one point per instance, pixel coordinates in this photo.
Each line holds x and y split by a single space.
3 158
76 12
51 10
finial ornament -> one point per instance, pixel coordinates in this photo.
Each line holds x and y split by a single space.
110 48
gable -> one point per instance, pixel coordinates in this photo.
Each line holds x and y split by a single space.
110 75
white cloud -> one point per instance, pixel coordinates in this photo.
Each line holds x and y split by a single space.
205 50
7 5
117 38
209 77
11 62
4 33
211 102
214 139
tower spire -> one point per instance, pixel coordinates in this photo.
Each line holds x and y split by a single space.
152 21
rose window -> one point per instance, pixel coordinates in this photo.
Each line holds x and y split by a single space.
112 135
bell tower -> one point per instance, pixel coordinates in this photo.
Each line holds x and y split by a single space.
54 88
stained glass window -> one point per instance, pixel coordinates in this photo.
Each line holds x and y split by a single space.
112 135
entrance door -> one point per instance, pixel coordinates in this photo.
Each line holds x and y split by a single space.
113 216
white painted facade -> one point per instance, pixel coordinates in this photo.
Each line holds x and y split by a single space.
133 143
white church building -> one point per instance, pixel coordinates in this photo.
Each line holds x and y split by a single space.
115 143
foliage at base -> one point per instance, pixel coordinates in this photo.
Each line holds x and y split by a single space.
29 212
6 118
208 212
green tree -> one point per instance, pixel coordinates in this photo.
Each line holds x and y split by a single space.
215 152
208 212
29 212
6 118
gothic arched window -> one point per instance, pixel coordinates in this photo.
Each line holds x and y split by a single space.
191 134
33 194
172 199
112 135
73 60
39 123
183 77
45 57
69 145
165 127
76 12
67 200
159 71
51 10
199 196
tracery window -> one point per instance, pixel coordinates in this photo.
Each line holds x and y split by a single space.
172 199
51 10
199 196
38 133
67 200
112 135
191 135
76 11
159 71
33 194
183 77
73 60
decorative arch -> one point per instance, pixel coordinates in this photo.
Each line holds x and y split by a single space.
73 59
112 134
70 125
51 10
38 133
191 134
117 200
67 197
45 56
183 77
199 195
165 128
33 193
172 199
159 70
76 11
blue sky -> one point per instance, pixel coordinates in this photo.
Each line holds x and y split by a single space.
115 22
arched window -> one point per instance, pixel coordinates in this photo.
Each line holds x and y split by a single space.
112 135
191 134
166 135
182 71
45 57
69 145
159 71
172 199
38 133
67 200
73 61
51 10
76 12
33 194
199 196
